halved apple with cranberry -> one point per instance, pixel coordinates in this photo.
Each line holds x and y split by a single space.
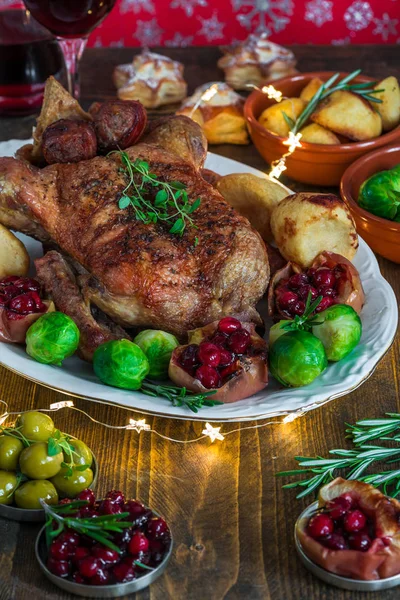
227 356
355 532
331 276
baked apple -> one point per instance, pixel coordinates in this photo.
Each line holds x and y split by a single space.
227 356
331 276
354 533
20 306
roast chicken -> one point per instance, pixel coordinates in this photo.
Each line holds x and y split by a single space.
140 275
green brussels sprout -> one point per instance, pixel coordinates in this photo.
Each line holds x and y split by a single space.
297 358
53 337
380 194
158 347
340 331
276 331
121 363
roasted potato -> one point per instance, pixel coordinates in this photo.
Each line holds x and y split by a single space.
311 89
253 197
315 134
306 224
14 259
389 108
272 117
350 115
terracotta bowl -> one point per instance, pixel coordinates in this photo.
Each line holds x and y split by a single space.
318 164
381 234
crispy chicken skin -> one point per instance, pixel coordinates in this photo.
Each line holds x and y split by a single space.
140 274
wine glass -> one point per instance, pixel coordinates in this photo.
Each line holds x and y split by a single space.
70 21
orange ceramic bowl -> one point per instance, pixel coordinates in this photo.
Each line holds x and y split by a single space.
381 234
318 164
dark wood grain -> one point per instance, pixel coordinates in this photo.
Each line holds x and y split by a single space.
232 522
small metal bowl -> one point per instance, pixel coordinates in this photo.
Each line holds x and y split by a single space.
98 591
36 515
359 585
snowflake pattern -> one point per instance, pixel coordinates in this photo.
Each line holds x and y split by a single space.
189 6
358 16
272 15
117 43
179 41
385 26
212 28
98 43
319 12
341 41
136 6
148 32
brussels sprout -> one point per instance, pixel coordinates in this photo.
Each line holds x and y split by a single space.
340 331
121 363
380 194
276 331
53 337
297 358
158 347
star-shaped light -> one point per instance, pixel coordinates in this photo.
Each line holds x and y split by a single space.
212 432
293 141
138 426
277 168
272 92
3 418
62 404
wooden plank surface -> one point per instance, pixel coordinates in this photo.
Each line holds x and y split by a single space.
232 522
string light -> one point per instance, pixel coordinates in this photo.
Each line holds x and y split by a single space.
293 142
205 97
63 404
138 426
278 166
272 93
213 433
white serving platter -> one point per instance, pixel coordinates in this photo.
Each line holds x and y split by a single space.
379 317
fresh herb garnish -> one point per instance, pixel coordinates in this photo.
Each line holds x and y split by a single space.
179 396
306 321
365 90
154 200
353 463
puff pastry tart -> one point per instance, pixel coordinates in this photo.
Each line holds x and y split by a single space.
153 79
254 61
221 117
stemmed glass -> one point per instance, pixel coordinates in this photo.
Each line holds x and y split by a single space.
70 21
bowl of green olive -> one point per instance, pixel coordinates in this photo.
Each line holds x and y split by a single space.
39 462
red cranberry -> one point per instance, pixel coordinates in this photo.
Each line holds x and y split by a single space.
355 520
208 377
219 339
226 358
8 292
70 537
27 285
304 290
9 280
188 358
135 509
89 566
77 577
139 543
239 341
106 555
116 497
79 553
87 512
320 525
229 325
123 572
156 528
209 354
339 507
325 303
122 539
157 551
335 541
286 300
88 496
360 541
102 577
143 557
298 308
327 292
23 304
58 567
60 550
298 280
324 276
107 507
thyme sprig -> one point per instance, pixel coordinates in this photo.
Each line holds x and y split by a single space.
179 396
365 90
154 200
354 462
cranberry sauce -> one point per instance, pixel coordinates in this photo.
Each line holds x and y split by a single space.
20 296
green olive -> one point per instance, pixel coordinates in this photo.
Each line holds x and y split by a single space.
29 494
35 426
81 455
8 483
70 487
10 449
35 463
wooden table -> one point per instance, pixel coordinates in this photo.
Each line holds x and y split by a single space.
232 522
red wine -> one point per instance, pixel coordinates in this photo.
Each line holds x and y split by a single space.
28 56
69 18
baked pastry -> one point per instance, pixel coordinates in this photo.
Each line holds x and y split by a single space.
254 61
153 79
221 117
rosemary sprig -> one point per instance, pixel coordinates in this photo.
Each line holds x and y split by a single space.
365 90
179 396
307 320
154 200
353 463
